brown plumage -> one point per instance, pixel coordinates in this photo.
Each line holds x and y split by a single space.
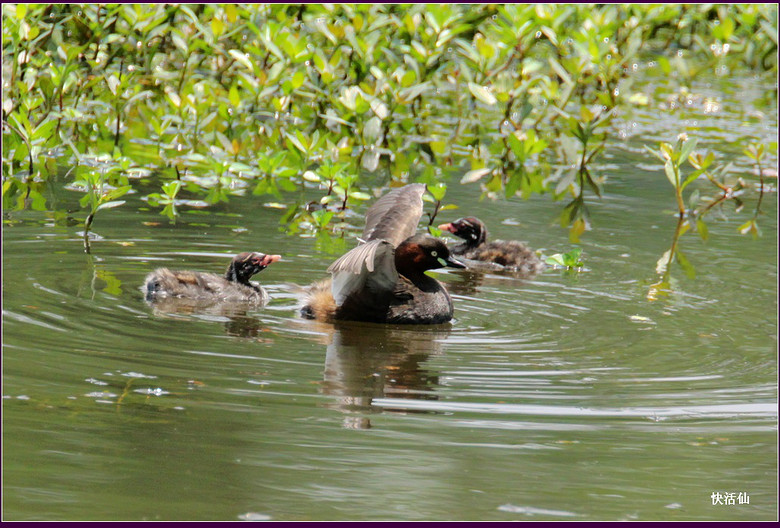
498 254
413 297
382 280
234 286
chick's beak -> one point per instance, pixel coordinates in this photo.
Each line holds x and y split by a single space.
269 259
447 227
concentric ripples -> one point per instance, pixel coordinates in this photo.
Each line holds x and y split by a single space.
568 395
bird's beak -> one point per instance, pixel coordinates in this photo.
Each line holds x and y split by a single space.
447 227
269 259
452 262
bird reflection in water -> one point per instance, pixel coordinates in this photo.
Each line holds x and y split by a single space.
234 315
365 362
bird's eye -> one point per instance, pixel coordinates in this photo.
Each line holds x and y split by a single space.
434 254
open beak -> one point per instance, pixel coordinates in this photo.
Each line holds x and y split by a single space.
262 261
447 227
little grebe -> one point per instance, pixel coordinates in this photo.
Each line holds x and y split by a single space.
234 286
500 255
382 280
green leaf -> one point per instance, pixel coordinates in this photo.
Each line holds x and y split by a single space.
109 205
572 258
438 191
577 229
474 175
322 217
686 149
233 96
482 93
115 193
560 71
517 146
297 79
750 227
297 142
686 265
407 95
242 59
655 153
555 260
44 130
702 229
671 174
171 189
691 178
217 26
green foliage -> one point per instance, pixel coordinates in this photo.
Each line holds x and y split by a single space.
568 260
673 157
282 100
101 186
729 189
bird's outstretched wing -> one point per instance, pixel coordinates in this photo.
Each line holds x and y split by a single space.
394 217
369 269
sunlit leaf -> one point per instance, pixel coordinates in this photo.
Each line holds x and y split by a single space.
109 205
241 58
474 175
671 173
663 263
482 93
311 176
217 26
687 148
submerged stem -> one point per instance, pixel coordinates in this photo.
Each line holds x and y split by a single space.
87 225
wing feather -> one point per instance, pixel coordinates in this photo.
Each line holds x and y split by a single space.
369 268
394 217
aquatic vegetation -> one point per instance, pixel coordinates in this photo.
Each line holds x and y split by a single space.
730 189
313 105
569 260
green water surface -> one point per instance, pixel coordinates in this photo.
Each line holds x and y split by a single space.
569 397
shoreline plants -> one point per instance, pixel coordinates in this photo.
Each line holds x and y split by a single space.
198 103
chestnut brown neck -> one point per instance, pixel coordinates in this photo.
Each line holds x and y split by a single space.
408 260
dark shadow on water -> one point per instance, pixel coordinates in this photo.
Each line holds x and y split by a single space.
364 362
